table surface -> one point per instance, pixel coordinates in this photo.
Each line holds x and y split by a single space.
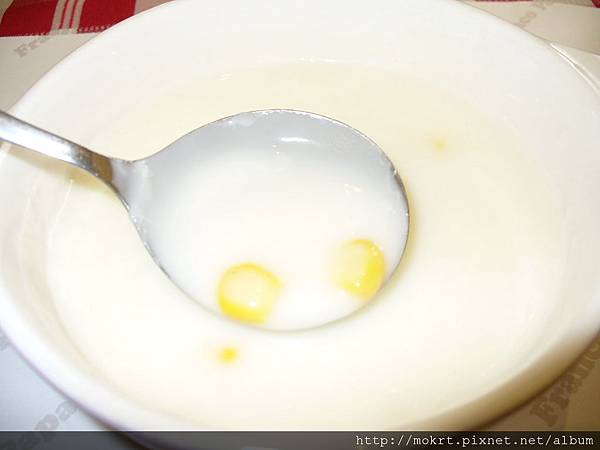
26 400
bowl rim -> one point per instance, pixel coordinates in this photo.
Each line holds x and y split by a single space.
128 414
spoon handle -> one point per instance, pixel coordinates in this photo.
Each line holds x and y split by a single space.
18 132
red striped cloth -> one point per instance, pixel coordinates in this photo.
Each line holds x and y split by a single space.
35 17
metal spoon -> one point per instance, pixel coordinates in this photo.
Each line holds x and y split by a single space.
146 182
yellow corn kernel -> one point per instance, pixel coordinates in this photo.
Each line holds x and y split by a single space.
439 144
248 292
359 268
228 354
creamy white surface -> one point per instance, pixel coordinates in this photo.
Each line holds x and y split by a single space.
480 276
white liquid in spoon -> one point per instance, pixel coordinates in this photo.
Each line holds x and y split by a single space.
282 230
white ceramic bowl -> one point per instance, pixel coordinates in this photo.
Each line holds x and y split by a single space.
512 76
